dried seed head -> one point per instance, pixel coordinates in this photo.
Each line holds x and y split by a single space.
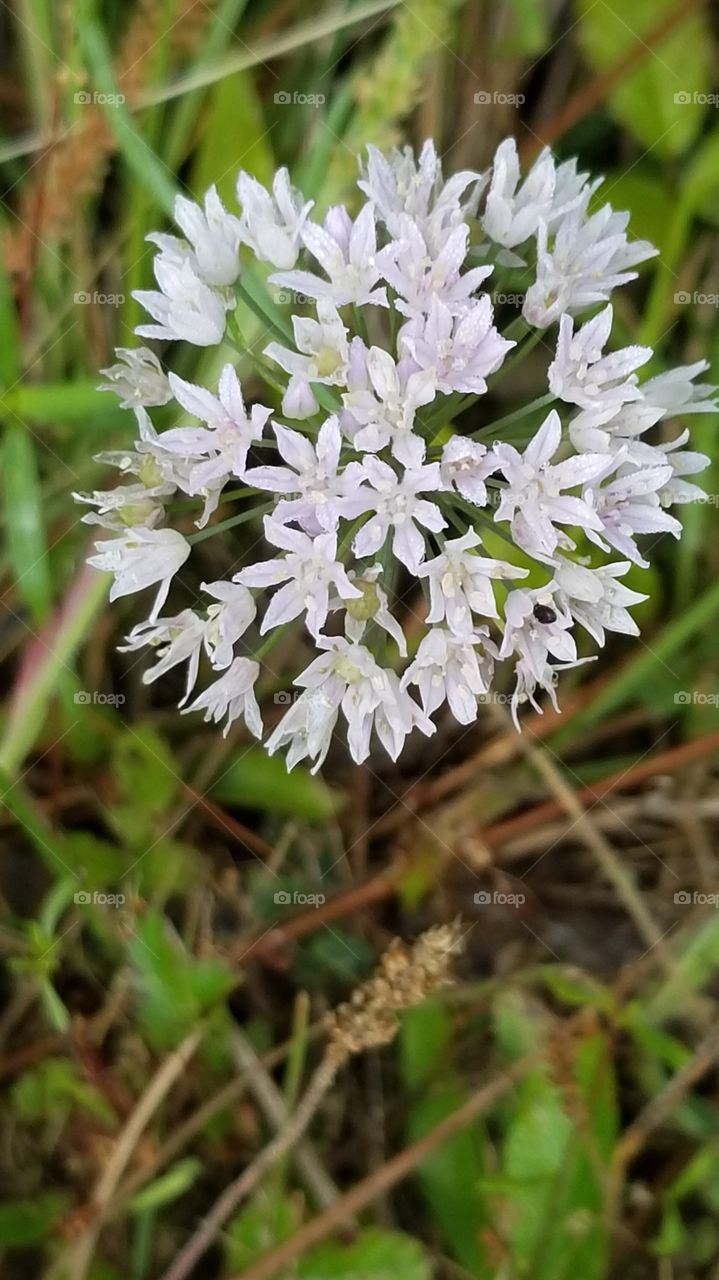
405 976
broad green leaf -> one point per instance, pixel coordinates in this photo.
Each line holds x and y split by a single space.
554 1223
597 1083
333 960
425 1037
551 1166
660 101
376 1254
176 988
24 1223
225 149
265 1222
97 863
259 781
451 1178
148 782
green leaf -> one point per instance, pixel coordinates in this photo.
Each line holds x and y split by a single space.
167 1188
176 988
259 781
265 1222
177 134
75 403
641 671
24 1223
97 863
645 195
576 988
376 1254
530 29
451 1178
25 522
656 101
231 100
333 958
425 1036
148 781
692 969
550 1171
702 178
672 1235
52 1088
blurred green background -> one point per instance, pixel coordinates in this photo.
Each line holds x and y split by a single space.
160 1005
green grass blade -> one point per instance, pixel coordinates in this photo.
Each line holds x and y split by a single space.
25 523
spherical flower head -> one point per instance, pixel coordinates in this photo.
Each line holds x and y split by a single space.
385 464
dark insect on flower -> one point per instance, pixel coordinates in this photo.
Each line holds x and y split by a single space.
543 613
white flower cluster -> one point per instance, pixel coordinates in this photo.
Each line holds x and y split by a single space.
374 463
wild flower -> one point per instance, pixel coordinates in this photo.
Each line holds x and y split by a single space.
381 473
